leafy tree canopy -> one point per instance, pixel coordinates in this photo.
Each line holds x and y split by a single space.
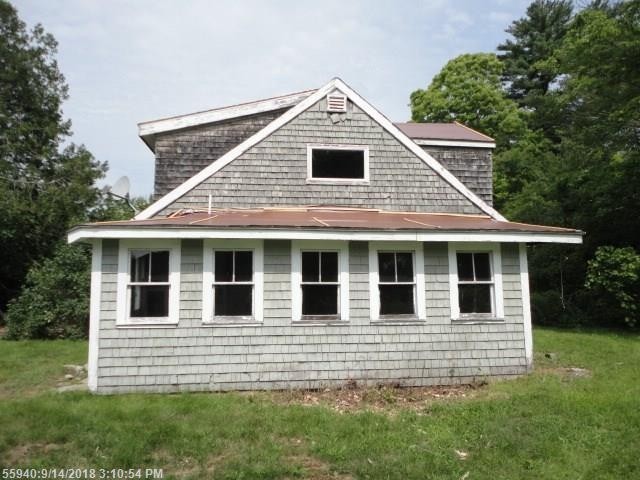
468 89
44 188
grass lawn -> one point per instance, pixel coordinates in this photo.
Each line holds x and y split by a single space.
552 424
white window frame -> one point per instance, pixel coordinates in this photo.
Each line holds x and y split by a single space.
123 296
495 262
342 248
417 248
340 181
208 277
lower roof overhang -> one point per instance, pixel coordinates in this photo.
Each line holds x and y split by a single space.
326 224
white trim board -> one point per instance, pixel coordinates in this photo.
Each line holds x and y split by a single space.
153 127
454 143
526 306
94 314
335 84
84 233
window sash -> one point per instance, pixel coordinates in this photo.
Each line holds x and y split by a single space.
397 282
233 282
490 283
320 282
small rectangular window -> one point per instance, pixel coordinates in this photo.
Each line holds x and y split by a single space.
475 283
320 285
148 283
396 284
340 164
233 283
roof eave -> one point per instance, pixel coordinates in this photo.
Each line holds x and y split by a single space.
88 232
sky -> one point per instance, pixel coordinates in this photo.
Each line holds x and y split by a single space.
132 61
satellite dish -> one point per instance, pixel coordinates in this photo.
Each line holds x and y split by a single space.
121 187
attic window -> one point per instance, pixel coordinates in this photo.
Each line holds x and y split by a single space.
336 103
337 164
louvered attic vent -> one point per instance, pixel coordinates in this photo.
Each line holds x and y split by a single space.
336 103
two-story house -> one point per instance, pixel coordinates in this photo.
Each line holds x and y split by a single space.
306 241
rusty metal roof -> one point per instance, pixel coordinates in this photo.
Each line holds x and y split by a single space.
442 131
332 218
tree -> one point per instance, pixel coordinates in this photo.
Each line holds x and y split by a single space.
43 188
54 301
468 89
530 72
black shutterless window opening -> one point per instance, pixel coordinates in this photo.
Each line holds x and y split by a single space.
337 163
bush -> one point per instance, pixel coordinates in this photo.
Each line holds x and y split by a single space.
614 276
54 303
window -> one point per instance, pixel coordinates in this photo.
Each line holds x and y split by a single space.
397 281
320 284
476 282
338 164
232 281
148 282
397 284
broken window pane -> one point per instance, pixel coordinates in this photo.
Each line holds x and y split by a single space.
337 163
319 299
396 300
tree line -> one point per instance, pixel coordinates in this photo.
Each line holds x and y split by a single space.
562 99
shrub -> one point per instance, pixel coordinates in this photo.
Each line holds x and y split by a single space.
54 303
614 276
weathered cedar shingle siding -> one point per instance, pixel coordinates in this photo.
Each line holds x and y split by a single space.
274 171
180 155
472 166
281 355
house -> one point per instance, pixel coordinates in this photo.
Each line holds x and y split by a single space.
306 241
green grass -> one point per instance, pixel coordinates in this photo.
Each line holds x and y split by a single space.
544 426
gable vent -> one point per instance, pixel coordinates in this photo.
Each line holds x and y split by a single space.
336 103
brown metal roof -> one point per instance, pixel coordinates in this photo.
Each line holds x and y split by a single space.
442 131
332 218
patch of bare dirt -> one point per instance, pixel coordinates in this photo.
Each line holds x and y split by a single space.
21 454
568 373
352 398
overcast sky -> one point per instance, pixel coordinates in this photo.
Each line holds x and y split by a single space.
132 61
